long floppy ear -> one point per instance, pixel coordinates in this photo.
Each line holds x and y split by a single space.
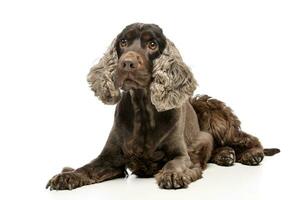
101 77
173 82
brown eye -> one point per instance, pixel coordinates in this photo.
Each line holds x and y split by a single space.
152 45
123 43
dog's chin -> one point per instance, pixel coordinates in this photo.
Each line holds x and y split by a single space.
128 81
129 84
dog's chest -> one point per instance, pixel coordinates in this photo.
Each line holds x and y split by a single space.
142 152
145 164
141 147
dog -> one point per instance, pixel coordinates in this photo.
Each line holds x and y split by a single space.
159 129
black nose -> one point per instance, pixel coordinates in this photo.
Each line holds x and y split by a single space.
129 64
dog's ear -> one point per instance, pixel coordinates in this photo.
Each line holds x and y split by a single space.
173 83
100 77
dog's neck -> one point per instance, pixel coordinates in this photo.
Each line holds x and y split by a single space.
143 109
143 123
145 127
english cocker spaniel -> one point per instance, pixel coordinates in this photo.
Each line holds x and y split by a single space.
159 129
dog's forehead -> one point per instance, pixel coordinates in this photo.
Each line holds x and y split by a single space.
136 29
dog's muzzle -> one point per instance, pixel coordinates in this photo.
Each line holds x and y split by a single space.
131 61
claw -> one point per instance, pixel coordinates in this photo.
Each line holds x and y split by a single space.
48 184
168 184
161 185
176 185
184 181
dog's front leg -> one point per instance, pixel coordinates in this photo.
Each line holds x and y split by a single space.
108 165
178 173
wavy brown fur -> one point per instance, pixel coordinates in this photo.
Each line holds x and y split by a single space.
157 130
173 82
219 120
101 76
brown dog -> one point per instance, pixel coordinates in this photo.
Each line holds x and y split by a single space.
158 129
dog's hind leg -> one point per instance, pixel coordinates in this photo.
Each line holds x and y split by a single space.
219 120
248 149
240 147
224 156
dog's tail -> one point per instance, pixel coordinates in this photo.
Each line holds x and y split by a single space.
271 151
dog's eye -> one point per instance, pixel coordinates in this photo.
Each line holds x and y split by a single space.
123 43
152 45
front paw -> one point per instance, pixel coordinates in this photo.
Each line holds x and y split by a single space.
68 181
172 179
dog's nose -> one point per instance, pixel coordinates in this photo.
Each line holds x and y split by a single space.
129 64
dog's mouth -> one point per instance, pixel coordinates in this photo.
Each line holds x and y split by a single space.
126 82
129 80
130 84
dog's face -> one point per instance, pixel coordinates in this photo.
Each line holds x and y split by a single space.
142 57
137 46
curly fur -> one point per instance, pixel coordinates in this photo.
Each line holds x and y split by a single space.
101 76
173 83
174 146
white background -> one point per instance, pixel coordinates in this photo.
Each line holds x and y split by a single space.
245 53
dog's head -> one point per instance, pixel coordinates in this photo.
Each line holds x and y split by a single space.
142 57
